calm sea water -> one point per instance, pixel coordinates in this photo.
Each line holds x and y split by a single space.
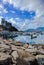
27 39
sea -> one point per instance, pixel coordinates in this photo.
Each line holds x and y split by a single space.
27 39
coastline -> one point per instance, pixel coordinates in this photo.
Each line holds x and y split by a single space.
16 53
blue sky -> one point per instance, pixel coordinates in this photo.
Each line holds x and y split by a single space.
23 14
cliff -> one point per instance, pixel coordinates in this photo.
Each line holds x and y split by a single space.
5 25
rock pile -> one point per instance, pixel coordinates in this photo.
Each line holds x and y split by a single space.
16 53
5 59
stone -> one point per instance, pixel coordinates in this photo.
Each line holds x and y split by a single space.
40 47
40 51
15 55
13 47
33 51
21 61
5 59
25 46
5 48
23 53
30 47
10 40
40 59
18 44
22 48
6 41
30 58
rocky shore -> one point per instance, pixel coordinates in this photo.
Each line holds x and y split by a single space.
16 53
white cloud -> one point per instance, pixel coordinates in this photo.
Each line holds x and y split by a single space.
1 6
27 24
39 22
5 11
35 5
2 9
11 20
13 2
29 5
13 12
25 4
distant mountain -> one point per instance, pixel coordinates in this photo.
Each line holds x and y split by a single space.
40 28
37 29
30 30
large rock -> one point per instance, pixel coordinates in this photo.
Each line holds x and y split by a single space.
33 51
25 46
13 48
26 61
25 58
30 47
15 55
23 53
5 59
21 61
4 48
40 59
22 48
40 51
30 58
17 43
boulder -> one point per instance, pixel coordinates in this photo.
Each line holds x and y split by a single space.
26 61
40 59
25 45
21 61
4 48
30 47
15 55
5 59
30 58
13 47
33 51
23 53
17 43
22 48
40 51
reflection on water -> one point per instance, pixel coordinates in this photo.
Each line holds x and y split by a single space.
19 36
27 39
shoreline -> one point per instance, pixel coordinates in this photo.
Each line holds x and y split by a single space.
16 53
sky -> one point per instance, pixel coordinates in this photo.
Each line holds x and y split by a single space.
23 14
